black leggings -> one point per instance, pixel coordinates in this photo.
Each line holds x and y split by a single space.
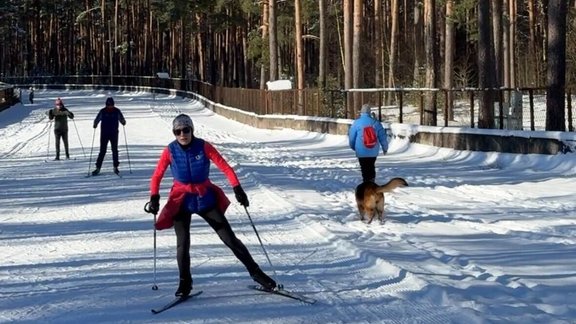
104 139
61 134
368 168
220 224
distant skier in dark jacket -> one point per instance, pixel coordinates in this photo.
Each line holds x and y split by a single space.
60 116
110 116
31 95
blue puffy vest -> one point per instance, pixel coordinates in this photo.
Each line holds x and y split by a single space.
192 166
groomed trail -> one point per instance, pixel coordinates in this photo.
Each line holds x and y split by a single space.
469 241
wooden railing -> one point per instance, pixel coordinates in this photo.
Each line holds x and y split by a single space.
451 107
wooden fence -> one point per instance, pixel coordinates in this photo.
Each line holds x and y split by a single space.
450 107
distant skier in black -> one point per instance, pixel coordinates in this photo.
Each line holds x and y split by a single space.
110 116
31 95
60 116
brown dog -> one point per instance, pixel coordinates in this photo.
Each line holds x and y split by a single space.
370 197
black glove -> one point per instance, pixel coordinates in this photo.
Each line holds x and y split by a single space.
241 196
154 204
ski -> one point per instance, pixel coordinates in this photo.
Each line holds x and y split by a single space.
174 302
59 160
285 293
99 174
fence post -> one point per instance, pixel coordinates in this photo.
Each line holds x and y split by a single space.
380 106
531 96
401 104
500 109
421 107
471 108
569 105
446 98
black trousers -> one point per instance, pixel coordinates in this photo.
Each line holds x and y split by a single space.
368 168
104 139
61 134
220 225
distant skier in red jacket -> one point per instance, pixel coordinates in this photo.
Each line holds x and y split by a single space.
60 116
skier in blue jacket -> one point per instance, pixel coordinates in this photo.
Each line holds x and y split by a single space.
110 116
366 137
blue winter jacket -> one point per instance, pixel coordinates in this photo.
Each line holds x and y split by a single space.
192 166
109 118
356 136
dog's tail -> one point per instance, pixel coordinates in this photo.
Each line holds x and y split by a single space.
392 184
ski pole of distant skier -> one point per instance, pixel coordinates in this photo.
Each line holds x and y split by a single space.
49 135
259 240
82 146
147 209
91 149
127 152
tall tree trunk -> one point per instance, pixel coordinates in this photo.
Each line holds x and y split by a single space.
244 64
532 31
299 56
497 37
356 42
430 108
322 43
272 40
104 58
183 52
485 67
556 76
347 8
201 48
449 56
506 50
418 40
392 50
512 40
378 48
264 27
357 49
536 24
116 36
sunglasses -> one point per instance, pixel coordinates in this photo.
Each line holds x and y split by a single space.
185 130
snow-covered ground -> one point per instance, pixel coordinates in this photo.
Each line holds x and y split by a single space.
475 238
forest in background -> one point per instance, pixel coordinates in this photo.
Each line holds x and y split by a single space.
335 44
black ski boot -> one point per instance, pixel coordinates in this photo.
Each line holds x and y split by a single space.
96 172
263 279
184 288
116 170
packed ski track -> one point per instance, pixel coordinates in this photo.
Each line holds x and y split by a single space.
475 238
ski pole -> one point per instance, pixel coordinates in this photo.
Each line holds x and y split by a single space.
78 134
48 147
262 245
127 153
147 209
91 148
